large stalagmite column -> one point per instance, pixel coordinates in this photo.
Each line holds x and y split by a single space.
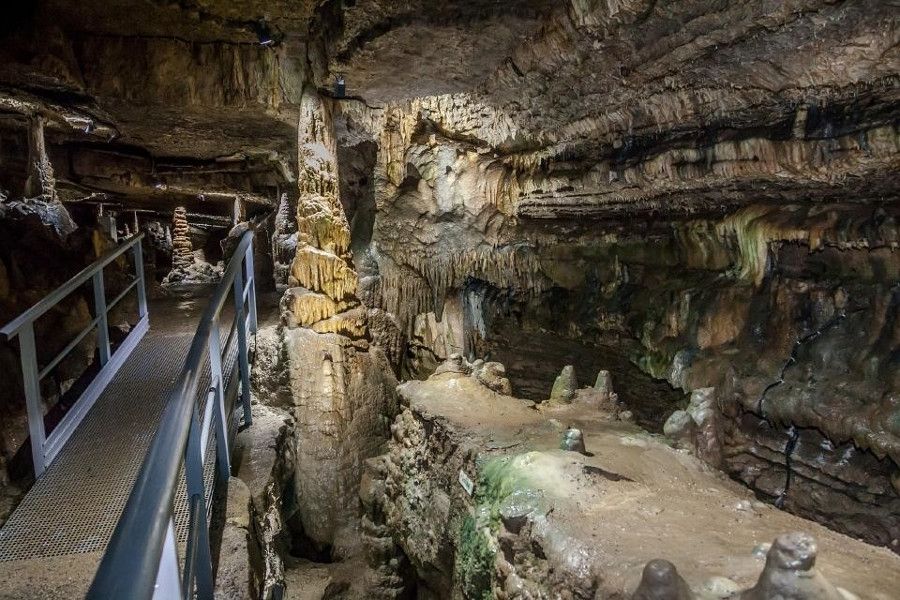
342 387
321 266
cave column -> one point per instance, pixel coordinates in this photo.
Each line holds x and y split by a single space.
39 182
321 265
342 387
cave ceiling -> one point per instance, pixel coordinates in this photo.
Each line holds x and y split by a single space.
588 97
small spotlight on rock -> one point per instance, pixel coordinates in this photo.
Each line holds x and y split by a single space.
263 33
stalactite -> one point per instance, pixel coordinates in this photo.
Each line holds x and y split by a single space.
420 284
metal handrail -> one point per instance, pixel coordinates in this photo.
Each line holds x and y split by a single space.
52 299
44 448
140 561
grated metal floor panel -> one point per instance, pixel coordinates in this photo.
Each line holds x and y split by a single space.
74 507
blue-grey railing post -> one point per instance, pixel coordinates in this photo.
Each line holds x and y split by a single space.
139 274
168 580
243 357
28 356
198 559
100 307
251 283
217 387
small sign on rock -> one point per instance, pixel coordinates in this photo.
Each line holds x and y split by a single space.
466 482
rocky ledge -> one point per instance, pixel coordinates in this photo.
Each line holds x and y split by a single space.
478 497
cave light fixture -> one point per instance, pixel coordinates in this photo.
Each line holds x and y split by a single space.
263 33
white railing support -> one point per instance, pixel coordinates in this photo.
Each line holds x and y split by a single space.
217 395
139 273
102 321
167 576
240 320
33 404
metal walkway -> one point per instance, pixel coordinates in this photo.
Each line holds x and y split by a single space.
123 497
75 506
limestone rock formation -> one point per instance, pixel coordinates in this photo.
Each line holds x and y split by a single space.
493 375
697 198
182 250
661 581
341 386
565 386
477 500
698 427
573 441
603 384
342 401
790 572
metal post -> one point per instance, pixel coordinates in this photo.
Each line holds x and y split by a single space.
100 307
139 274
243 356
251 280
217 382
28 356
198 560
168 580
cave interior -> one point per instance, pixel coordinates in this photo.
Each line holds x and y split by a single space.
557 298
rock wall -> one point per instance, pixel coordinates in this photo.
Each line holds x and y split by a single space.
741 237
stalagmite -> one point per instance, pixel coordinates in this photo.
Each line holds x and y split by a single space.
661 581
565 386
790 572
182 250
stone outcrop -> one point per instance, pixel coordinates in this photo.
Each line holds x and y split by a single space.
476 496
565 386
